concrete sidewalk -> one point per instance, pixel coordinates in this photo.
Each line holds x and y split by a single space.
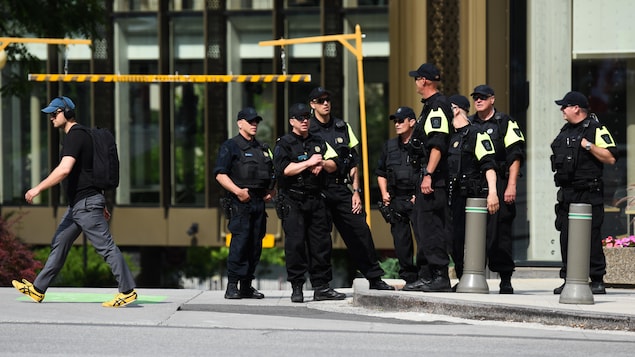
533 301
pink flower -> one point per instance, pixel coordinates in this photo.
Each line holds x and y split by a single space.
611 242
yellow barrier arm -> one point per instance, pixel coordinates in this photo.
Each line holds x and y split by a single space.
6 41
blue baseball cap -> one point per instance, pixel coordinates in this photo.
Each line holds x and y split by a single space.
58 103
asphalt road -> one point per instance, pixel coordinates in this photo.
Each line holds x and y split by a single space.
71 322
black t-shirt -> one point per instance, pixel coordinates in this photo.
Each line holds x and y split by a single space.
78 144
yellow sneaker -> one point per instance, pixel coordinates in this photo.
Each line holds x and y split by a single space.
121 300
26 288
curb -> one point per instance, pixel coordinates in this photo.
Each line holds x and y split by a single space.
395 301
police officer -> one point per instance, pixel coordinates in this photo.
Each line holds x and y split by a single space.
472 172
244 168
397 174
344 206
431 136
579 152
509 144
299 164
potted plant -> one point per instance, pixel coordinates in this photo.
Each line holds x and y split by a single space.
620 261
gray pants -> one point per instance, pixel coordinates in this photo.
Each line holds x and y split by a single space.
86 216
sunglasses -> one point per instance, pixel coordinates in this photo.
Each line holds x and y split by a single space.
322 100
418 78
480 97
400 120
255 120
55 113
566 106
302 118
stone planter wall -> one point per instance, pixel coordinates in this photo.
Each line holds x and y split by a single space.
620 267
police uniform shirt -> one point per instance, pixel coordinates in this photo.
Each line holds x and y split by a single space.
471 153
587 167
230 154
293 148
394 165
508 139
339 135
433 130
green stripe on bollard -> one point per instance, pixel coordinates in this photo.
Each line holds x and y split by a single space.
476 209
583 216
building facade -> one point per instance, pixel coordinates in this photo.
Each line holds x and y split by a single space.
530 51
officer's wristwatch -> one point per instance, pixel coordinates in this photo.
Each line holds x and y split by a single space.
426 172
588 146
358 190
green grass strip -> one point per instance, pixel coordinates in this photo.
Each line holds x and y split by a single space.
89 297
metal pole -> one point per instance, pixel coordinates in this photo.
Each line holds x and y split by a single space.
357 51
577 290
362 117
473 279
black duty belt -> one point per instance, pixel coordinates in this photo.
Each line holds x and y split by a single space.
338 180
300 195
590 185
401 192
257 192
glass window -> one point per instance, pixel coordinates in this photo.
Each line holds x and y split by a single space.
249 4
303 3
188 162
183 5
189 144
138 105
365 3
25 140
604 81
136 5
140 149
24 145
259 95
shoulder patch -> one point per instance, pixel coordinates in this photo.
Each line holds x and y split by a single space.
513 134
484 145
352 138
436 122
603 138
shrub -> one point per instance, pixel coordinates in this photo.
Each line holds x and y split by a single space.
390 267
16 260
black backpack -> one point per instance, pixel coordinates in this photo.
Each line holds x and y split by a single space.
105 159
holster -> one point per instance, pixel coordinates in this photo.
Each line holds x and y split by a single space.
226 206
390 215
282 207
385 211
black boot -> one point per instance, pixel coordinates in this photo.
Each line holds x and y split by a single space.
249 292
424 278
378 284
416 285
232 291
597 285
440 280
296 293
324 292
506 283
